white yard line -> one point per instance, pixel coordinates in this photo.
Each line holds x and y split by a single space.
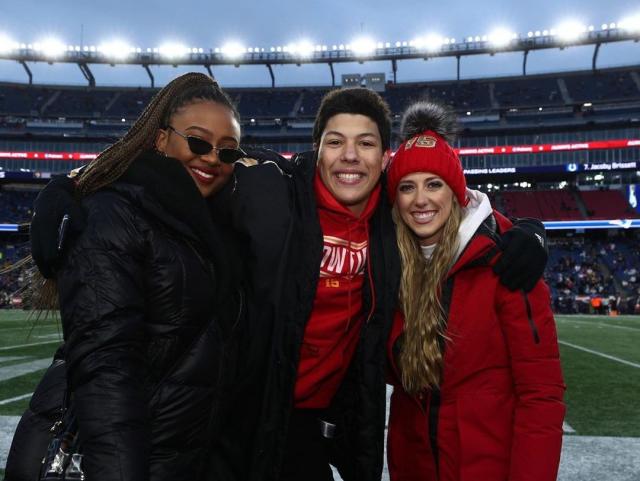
10 372
14 399
601 354
603 324
565 426
17 346
4 359
25 328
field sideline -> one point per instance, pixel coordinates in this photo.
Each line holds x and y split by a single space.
600 358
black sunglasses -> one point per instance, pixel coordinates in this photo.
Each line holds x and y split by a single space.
201 147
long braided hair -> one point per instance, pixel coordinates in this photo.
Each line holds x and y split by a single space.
113 162
116 159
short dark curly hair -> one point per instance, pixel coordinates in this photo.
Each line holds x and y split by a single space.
356 100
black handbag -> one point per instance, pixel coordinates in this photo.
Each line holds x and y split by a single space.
63 459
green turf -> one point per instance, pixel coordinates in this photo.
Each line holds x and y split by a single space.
18 328
602 394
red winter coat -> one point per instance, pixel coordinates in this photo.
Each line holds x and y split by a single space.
499 412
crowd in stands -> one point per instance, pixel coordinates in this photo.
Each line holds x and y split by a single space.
13 275
594 276
15 208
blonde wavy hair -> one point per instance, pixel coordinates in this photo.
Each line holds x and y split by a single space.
421 352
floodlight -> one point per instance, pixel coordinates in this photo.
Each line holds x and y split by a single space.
7 45
172 50
50 47
116 49
363 46
303 48
631 24
433 42
233 50
570 30
500 37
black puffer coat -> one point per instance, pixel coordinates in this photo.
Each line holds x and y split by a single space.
147 297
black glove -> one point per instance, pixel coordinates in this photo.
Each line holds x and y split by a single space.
48 231
524 255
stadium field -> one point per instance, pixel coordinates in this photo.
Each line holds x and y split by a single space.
600 358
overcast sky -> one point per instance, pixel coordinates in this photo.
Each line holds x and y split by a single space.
209 24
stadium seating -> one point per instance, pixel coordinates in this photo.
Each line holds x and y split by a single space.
16 206
544 204
602 86
607 204
521 92
270 103
311 101
498 95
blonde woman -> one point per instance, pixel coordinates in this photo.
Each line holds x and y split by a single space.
476 371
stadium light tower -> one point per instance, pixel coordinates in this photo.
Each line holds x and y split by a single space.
360 50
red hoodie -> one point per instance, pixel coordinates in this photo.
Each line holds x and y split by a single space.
333 330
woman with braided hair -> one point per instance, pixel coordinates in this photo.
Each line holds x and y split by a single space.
149 291
475 367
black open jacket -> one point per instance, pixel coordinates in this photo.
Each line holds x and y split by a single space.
287 240
147 296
